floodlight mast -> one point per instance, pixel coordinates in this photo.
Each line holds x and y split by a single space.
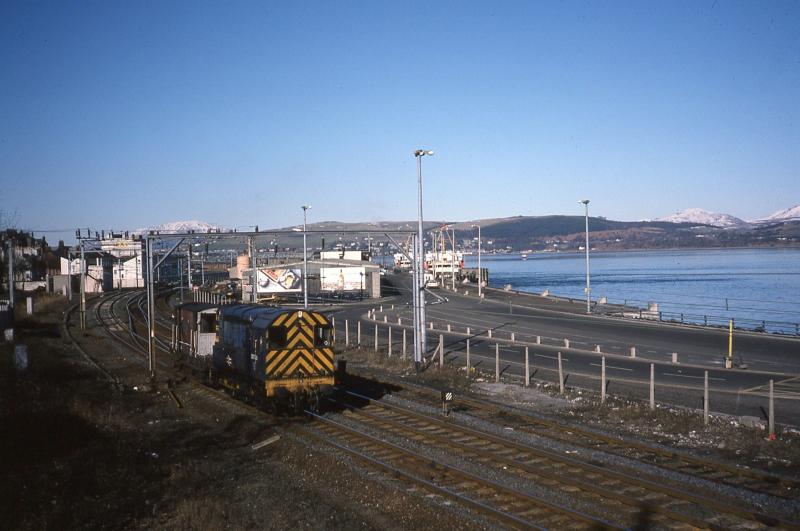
419 257
585 203
305 259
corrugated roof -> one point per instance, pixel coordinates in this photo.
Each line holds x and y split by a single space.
196 306
252 312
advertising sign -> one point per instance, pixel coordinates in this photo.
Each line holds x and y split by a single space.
279 280
342 278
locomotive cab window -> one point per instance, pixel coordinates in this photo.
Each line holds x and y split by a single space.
277 337
208 322
322 336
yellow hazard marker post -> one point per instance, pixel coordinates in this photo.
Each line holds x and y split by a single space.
729 359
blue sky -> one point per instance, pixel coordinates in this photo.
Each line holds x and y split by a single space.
128 114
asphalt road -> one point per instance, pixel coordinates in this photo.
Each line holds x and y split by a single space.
739 391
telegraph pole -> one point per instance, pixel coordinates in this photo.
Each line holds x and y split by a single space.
254 278
189 267
69 275
11 273
83 287
150 309
180 272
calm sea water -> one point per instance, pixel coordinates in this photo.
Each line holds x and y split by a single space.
748 285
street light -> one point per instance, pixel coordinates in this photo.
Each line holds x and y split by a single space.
480 272
588 289
305 260
419 257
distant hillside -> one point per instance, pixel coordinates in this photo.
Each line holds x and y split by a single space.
537 233
704 217
564 233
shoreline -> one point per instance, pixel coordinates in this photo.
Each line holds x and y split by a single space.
641 250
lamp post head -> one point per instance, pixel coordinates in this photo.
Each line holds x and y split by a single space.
306 207
584 201
423 152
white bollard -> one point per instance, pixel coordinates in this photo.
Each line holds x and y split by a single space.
469 332
359 333
652 387
705 399
489 333
21 358
566 343
527 369
30 305
404 343
603 379
389 348
385 319
538 340
430 325
597 348
376 338
346 333
441 351
771 410
513 336
497 362
674 357
560 375
400 320
468 357
633 352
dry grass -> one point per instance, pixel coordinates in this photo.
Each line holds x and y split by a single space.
200 514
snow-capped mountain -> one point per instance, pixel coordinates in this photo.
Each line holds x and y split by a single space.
181 226
786 214
704 217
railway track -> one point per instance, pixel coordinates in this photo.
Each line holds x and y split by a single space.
503 500
513 507
663 458
617 492
105 314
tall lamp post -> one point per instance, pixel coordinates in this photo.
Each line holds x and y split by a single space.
305 259
588 288
480 271
419 256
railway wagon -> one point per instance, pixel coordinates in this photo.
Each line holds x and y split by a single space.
279 357
195 331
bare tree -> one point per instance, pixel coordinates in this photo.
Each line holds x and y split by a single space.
8 220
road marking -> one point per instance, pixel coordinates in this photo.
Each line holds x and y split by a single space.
550 357
611 367
766 362
690 376
787 388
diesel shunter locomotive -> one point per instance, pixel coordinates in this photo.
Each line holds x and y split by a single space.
278 357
